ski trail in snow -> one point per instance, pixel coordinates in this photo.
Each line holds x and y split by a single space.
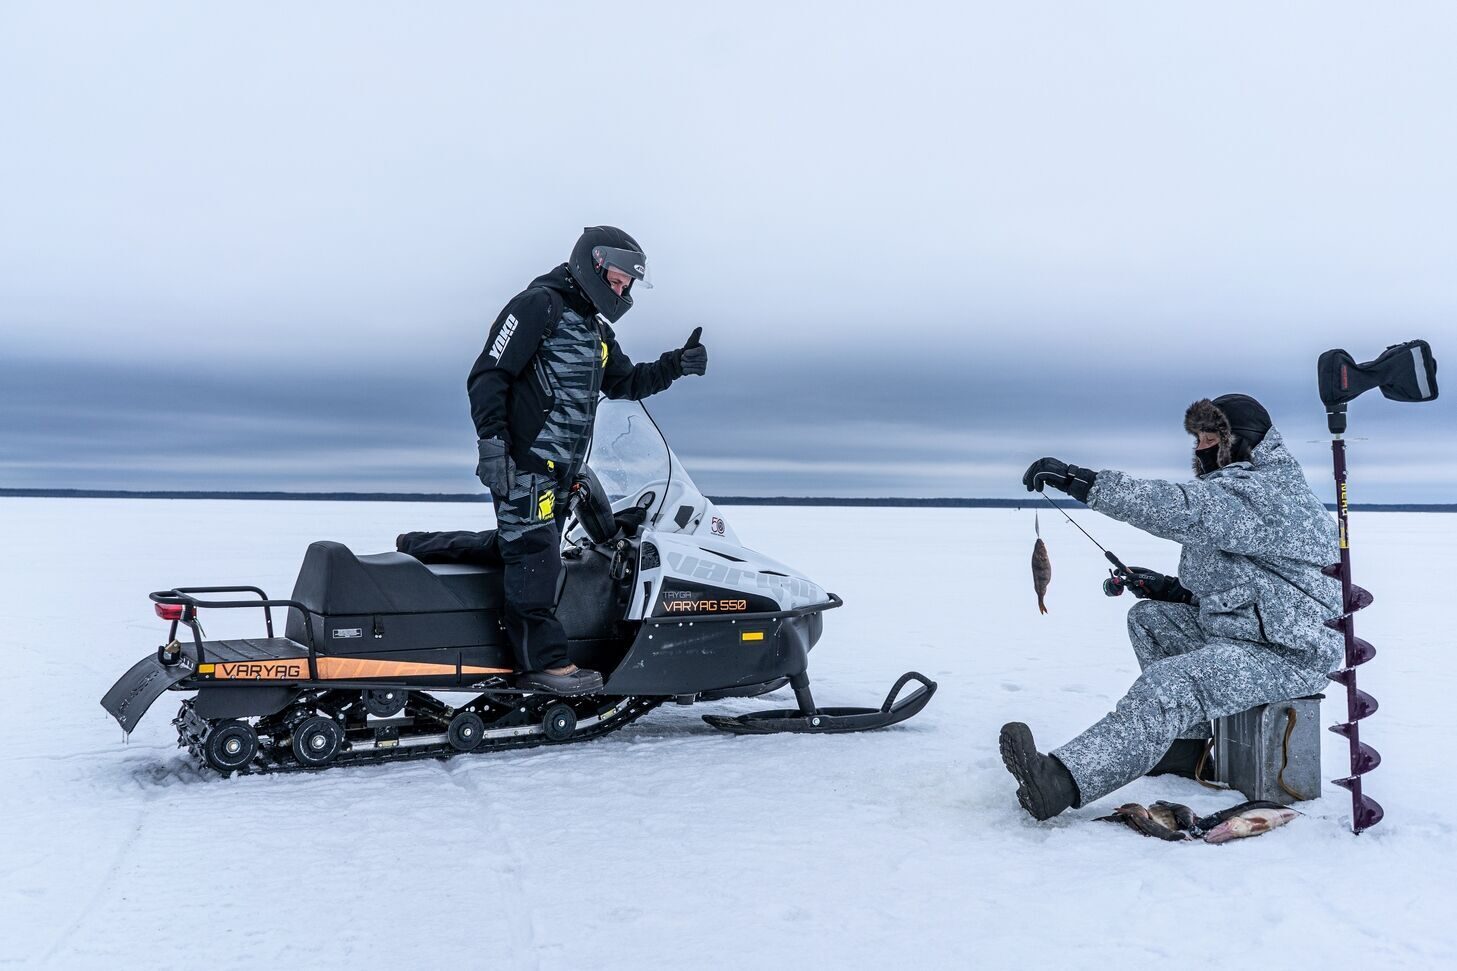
521 916
113 870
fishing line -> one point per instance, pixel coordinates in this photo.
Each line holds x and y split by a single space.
1111 558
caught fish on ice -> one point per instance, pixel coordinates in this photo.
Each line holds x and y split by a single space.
1174 822
1041 567
1248 819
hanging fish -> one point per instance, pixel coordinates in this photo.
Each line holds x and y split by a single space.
1041 566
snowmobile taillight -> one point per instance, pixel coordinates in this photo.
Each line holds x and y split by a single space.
171 612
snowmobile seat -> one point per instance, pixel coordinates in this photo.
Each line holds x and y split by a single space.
478 586
333 581
390 602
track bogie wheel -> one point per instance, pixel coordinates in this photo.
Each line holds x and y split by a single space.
317 741
466 731
385 702
559 722
229 746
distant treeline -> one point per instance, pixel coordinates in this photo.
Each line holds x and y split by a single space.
936 503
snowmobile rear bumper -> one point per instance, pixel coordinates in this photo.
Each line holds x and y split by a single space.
808 719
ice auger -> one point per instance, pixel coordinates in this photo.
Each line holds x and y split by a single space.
1403 372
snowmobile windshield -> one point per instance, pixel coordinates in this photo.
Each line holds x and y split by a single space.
628 452
631 262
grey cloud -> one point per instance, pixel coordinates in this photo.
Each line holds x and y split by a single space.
794 426
260 245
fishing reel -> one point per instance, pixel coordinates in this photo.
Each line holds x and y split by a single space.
1117 580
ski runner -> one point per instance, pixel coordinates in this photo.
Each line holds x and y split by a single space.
533 395
1241 625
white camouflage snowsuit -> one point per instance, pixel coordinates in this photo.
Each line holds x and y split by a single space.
1255 538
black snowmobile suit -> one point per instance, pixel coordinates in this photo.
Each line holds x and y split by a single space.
546 358
535 387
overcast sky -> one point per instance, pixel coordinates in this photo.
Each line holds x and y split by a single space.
258 246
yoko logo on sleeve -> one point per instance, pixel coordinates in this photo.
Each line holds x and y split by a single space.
502 339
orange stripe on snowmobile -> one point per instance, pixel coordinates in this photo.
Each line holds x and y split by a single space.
339 669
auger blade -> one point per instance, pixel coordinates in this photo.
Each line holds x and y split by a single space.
1360 704
1334 570
1365 811
1364 758
1360 653
1360 599
1347 675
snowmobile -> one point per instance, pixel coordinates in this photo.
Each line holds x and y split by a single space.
656 592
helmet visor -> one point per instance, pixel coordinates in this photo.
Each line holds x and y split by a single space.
631 262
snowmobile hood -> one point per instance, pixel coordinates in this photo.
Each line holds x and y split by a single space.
560 280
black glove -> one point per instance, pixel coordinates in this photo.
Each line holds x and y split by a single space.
495 469
1069 478
692 357
1148 585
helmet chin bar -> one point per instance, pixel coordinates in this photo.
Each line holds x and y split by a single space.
598 248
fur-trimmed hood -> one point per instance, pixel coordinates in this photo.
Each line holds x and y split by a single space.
1237 420
1205 416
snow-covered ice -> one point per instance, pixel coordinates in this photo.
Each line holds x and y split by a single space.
669 843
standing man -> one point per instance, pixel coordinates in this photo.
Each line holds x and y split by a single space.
533 396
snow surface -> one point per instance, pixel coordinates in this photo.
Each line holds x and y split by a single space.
669 843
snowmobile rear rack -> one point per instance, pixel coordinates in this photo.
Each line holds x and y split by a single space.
182 596
808 719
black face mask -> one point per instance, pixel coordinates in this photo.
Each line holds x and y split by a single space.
1207 459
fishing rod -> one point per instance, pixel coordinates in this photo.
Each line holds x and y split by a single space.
1117 580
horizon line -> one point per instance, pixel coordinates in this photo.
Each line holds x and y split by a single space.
943 502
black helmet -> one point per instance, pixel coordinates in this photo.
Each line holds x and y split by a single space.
598 248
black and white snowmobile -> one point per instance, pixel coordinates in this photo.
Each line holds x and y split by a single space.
657 593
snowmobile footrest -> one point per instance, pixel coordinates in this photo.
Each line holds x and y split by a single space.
827 720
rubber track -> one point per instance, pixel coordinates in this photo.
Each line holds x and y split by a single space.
630 710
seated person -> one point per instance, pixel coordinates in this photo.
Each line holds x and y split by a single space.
1241 625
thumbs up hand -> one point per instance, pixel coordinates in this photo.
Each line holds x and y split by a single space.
693 356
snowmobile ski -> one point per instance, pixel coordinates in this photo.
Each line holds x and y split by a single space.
809 719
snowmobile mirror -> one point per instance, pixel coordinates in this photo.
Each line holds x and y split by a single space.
1403 372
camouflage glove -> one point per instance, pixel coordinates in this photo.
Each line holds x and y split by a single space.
1148 585
494 467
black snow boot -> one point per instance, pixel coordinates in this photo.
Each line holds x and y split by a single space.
1044 785
1182 758
579 682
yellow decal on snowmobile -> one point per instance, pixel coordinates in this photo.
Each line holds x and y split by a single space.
205 669
546 505
752 635
604 353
